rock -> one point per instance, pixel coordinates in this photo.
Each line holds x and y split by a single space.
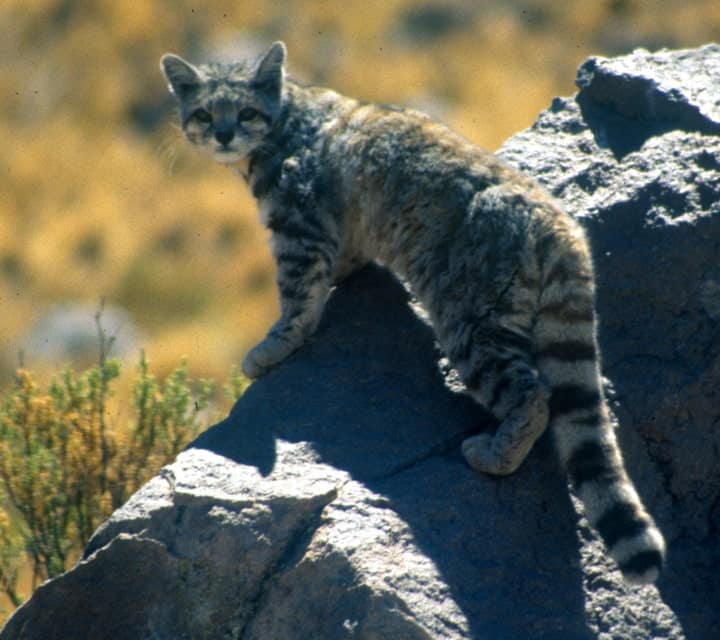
668 89
636 156
68 333
333 501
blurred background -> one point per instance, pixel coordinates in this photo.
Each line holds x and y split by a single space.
101 198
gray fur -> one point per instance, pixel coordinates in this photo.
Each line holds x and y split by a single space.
503 272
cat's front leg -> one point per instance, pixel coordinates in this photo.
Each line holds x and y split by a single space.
305 268
282 340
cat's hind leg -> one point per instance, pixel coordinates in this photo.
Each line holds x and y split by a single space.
500 374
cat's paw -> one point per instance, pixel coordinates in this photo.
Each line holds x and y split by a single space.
250 368
478 453
266 355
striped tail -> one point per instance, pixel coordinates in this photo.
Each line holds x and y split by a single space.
567 356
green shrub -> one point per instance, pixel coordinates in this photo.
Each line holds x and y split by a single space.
65 466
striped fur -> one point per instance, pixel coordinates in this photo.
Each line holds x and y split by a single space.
503 272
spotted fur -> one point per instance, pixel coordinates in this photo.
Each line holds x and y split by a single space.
505 275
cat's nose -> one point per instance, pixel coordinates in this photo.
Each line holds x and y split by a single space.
224 136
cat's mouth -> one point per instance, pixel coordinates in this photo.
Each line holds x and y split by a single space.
226 155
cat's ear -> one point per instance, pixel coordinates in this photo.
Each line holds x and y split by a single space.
182 77
268 73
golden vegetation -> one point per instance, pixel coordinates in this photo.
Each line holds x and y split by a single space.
101 198
71 455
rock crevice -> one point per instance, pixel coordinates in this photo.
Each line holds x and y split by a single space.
635 97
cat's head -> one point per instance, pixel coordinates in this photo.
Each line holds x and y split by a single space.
227 109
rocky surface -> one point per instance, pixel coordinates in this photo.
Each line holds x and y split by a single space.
69 333
636 156
333 501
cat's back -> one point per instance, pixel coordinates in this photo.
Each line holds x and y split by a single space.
406 183
389 140
388 148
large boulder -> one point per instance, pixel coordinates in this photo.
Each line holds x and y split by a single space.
635 156
333 501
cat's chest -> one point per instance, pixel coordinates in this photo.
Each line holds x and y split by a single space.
265 207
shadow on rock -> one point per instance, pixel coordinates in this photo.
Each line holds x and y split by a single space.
368 397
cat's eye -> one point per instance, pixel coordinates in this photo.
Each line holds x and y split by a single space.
202 115
246 114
